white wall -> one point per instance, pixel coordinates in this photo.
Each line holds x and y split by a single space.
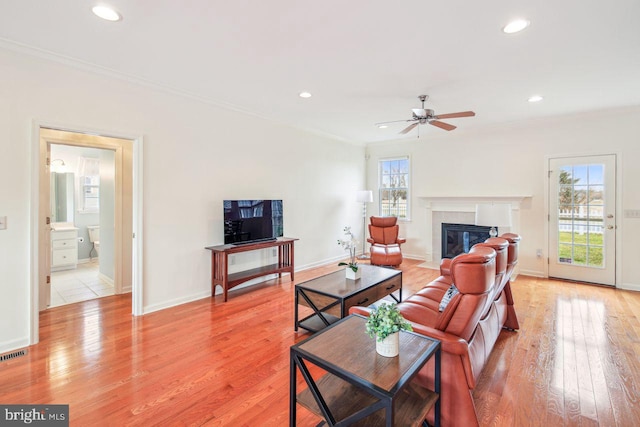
512 160
195 155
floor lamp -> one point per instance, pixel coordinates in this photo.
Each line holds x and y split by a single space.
364 196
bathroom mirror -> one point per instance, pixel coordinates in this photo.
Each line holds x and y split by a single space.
62 196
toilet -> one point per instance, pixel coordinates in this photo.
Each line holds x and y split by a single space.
94 237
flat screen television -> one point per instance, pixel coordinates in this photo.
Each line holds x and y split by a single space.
249 221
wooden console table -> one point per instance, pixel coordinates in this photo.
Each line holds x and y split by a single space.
220 263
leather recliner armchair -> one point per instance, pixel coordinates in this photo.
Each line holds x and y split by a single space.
385 243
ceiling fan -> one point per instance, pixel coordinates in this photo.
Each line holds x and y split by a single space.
425 115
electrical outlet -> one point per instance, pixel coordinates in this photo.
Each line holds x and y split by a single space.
539 253
3 222
232 260
274 252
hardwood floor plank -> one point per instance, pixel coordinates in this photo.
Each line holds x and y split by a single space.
573 362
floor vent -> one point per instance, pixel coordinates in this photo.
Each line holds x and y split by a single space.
13 355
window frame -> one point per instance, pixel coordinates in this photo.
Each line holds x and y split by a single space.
381 188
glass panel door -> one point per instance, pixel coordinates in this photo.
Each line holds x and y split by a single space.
582 219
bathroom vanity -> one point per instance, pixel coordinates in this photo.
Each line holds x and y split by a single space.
64 247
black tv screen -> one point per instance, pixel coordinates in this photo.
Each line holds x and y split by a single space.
247 221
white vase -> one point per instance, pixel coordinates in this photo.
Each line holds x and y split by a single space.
390 346
353 275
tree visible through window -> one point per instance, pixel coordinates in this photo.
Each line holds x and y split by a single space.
393 187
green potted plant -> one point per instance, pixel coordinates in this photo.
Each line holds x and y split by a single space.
384 324
352 271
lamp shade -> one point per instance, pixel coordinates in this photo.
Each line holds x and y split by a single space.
493 214
364 196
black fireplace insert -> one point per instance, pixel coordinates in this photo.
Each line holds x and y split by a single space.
459 238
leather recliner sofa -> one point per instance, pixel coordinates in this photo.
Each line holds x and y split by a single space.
468 326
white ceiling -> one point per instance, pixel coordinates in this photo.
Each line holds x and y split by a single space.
364 61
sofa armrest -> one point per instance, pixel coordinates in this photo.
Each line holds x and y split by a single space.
401 240
445 267
451 344
370 240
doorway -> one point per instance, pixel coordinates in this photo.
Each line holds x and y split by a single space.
82 188
126 192
582 219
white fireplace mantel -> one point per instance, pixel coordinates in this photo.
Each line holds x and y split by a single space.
468 203
452 206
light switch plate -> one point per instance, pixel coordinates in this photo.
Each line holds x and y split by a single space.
632 213
3 222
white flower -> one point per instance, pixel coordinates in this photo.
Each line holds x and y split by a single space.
350 245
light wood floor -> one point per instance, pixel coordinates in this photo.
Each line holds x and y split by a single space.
575 360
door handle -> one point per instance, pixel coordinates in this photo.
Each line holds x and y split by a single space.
610 227
610 216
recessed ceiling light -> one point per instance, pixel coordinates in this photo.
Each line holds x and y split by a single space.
304 95
105 12
515 26
535 98
383 126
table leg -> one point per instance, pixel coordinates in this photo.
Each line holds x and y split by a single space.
292 391
438 389
295 305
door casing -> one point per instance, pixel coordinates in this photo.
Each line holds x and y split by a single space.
128 211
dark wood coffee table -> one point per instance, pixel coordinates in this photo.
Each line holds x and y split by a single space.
360 387
330 296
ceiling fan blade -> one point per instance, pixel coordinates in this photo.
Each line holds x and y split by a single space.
442 125
456 115
409 128
394 121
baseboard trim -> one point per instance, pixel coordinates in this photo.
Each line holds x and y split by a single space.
8 346
415 257
322 263
533 273
175 302
629 287
106 278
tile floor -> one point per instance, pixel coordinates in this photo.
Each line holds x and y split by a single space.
81 284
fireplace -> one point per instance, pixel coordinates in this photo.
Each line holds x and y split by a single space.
460 210
459 238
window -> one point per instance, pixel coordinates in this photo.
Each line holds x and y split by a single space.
90 193
393 187
89 182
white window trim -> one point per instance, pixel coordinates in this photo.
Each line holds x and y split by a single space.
409 204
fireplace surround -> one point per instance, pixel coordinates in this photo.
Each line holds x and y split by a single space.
460 210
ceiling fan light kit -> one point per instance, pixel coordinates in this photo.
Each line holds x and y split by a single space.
423 115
